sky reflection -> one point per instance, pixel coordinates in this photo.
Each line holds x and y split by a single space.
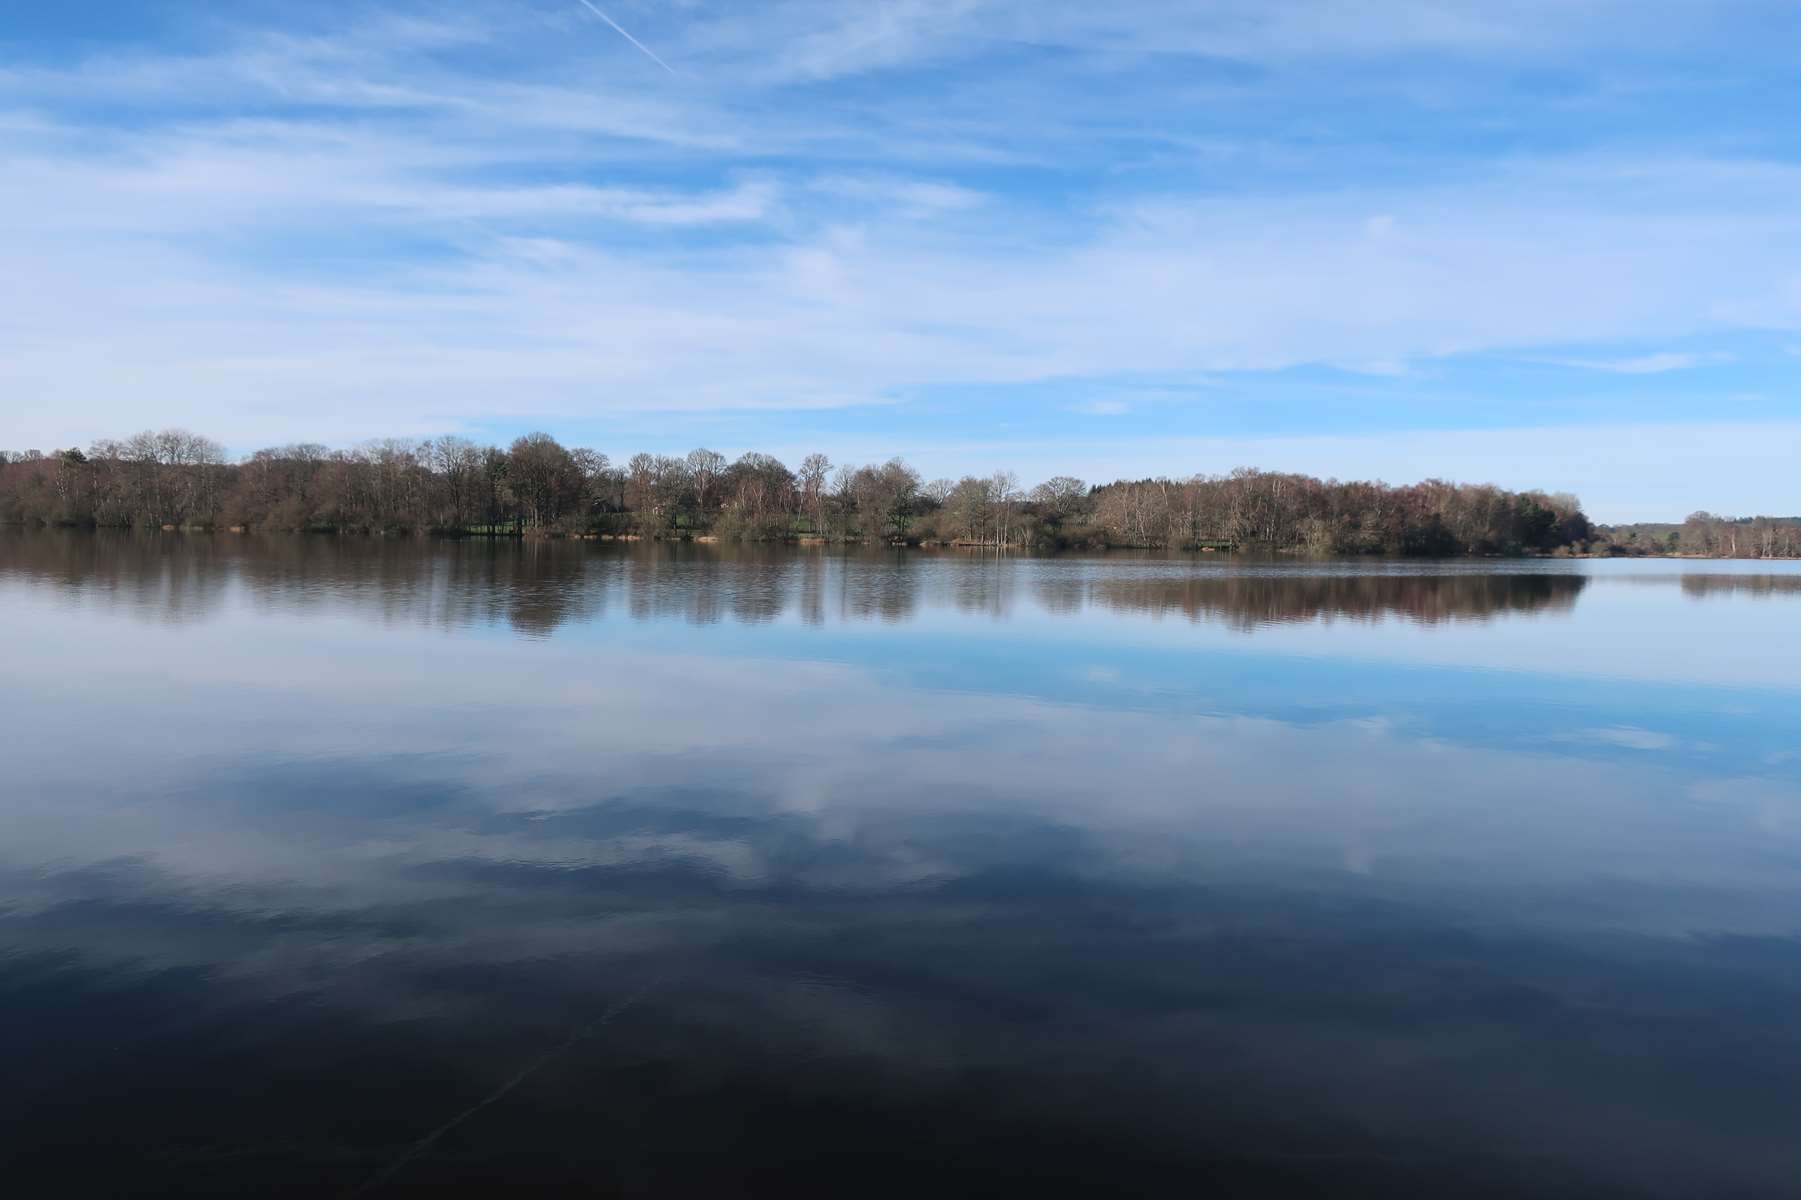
1099 873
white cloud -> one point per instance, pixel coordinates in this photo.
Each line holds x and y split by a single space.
1627 737
920 197
827 41
1647 364
1654 364
814 40
133 290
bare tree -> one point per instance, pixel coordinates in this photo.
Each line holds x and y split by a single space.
814 470
1004 494
1060 497
704 467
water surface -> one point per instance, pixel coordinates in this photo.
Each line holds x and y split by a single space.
339 867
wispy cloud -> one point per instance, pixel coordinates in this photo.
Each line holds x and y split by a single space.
918 197
1625 737
819 40
1645 364
799 313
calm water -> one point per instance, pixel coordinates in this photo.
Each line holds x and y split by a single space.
335 868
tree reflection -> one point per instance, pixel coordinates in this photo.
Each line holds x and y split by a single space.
1249 601
1702 586
537 587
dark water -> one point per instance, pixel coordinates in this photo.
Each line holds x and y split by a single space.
335 867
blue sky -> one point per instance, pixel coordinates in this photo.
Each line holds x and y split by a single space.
1546 242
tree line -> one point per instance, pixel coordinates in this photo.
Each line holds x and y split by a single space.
1709 535
537 486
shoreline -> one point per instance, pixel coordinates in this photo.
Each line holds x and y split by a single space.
1217 550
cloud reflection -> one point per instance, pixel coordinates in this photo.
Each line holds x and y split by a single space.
296 881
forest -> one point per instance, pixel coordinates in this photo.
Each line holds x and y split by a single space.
538 487
1709 535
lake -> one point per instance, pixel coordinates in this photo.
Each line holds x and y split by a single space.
336 867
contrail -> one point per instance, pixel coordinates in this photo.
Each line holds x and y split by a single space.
424 1145
617 28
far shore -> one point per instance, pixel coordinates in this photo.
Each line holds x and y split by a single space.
1248 550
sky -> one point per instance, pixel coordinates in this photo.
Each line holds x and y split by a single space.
1551 243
